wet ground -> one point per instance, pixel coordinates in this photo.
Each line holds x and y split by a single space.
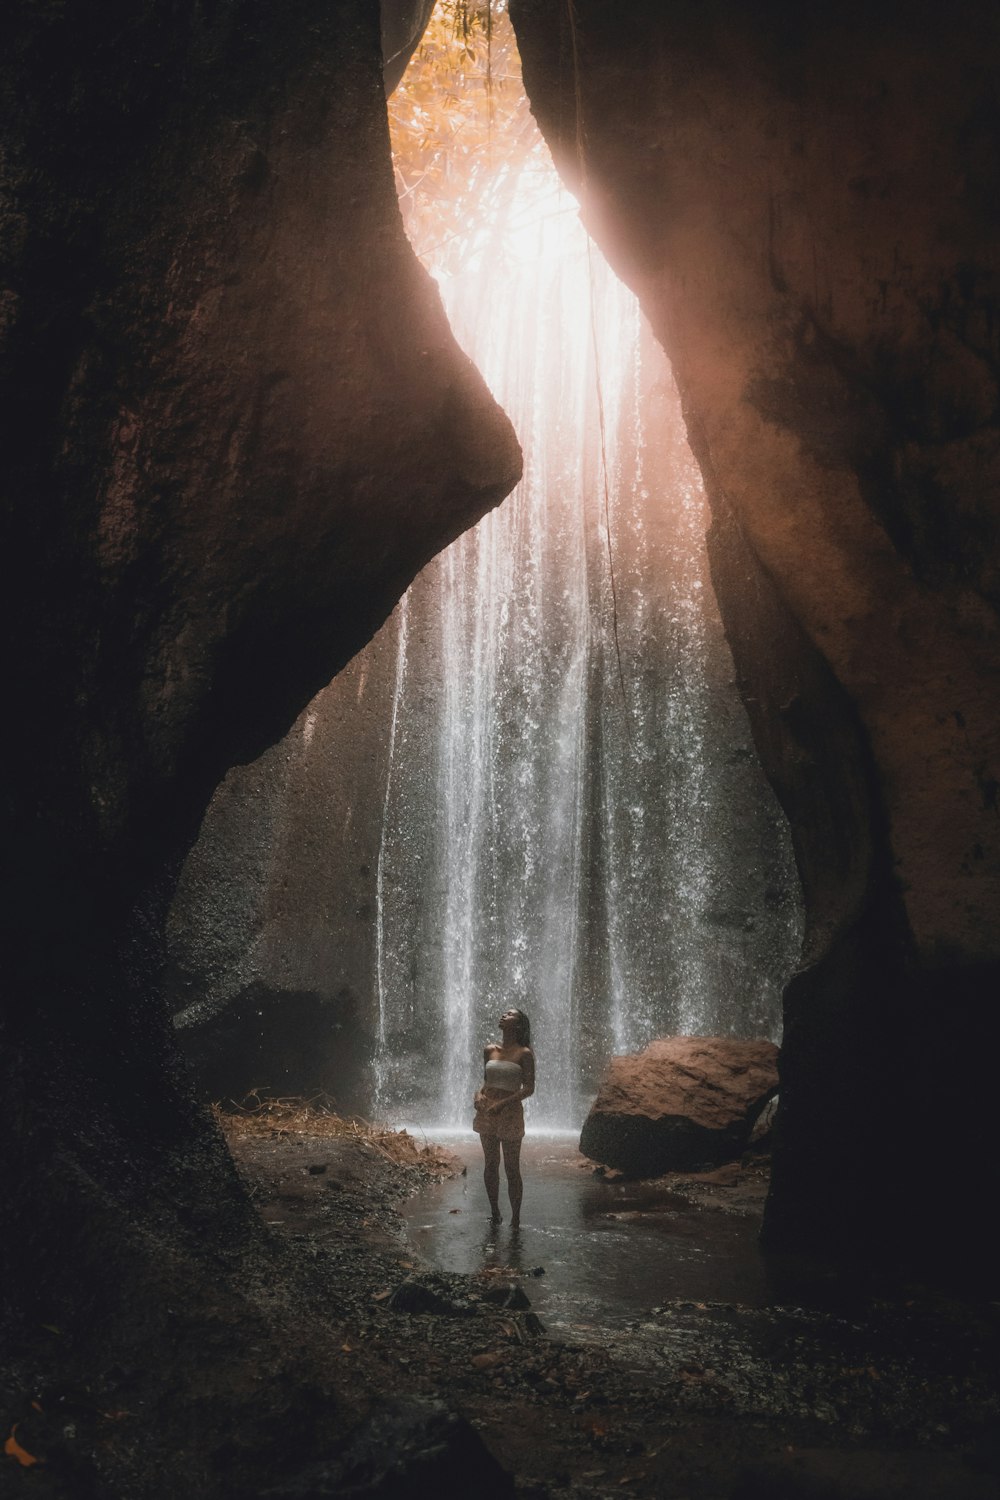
667 1278
610 1250
656 1354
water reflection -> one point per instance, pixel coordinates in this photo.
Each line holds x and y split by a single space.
603 1253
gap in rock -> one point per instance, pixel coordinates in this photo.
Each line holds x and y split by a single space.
537 785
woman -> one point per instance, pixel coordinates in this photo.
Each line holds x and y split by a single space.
508 1077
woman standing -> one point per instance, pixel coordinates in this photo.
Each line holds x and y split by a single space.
508 1077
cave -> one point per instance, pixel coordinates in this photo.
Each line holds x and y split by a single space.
240 429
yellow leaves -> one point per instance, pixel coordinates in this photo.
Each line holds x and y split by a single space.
458 128
13 1449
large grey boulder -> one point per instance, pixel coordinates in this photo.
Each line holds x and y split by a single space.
685 1104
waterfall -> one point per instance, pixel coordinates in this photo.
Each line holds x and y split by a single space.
556 835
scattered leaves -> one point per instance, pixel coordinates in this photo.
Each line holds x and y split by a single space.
261 1115
13 1449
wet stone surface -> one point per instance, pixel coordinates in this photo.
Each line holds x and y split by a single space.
629 1341
600 1385
610 1249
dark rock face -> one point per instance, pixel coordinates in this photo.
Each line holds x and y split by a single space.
430 1294
806 203
403 24
683 1104
271 935
279 1042
410 1448
238 426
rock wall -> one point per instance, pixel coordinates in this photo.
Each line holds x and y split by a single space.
805 201
238 425
271 934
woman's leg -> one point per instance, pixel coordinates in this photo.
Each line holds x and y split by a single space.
491 1173
515 1187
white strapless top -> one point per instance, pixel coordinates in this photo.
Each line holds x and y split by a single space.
503 1075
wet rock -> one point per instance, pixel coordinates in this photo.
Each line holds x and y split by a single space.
507 1294
684 1104
430 1293
409 1449
760 1135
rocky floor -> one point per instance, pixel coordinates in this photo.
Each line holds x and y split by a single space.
387 1372
882 1397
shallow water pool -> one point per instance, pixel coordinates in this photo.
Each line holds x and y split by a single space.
609 1251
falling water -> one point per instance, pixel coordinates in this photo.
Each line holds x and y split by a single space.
401 619
555 834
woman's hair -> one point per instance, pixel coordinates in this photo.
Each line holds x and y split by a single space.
523 1030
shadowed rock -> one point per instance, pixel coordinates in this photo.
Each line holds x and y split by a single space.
805 204
684 1104
409 1448
239 425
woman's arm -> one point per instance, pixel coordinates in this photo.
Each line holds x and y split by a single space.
480 1101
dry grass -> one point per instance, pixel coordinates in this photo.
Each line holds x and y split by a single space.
294 1115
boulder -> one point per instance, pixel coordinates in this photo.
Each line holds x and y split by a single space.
684 1104
432 1293
411 1446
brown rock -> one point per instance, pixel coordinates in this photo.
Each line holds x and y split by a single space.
239 425
781 195
487 1361
686 1102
